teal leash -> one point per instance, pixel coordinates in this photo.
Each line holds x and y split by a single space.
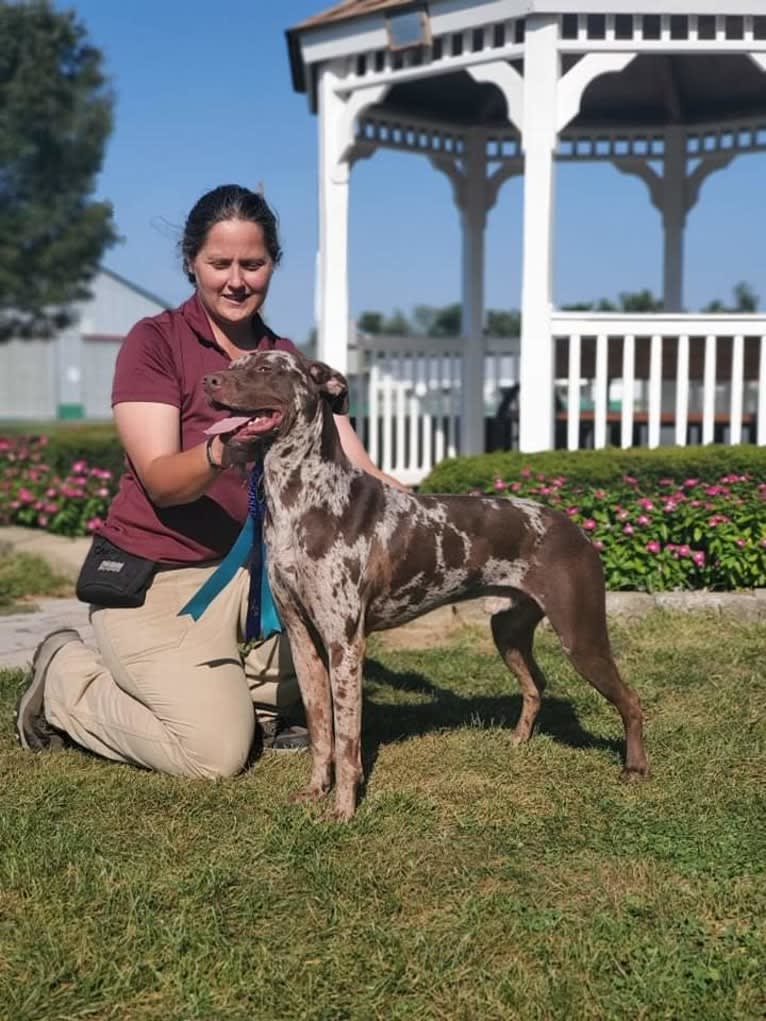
262 615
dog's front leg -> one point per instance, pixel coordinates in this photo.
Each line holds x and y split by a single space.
314 682
346 663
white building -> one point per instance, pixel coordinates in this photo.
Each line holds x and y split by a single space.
69 376
668 90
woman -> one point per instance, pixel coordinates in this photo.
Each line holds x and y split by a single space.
165 692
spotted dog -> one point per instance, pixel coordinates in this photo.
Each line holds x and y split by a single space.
348 555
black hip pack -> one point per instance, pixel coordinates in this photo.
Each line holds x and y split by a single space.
110 577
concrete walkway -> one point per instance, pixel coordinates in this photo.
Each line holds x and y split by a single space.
20 633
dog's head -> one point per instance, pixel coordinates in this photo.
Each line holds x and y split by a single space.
266 391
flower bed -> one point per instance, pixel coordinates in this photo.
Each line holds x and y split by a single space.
34 494
665 534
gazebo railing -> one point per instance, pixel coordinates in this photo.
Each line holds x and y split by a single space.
406 397
646 380
623 380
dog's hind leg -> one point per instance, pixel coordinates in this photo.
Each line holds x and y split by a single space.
576 608
513 631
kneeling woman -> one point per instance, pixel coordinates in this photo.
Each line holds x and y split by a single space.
164 691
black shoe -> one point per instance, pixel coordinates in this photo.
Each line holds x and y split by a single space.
32 729
279 736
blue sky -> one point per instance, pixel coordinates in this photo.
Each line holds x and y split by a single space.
204 97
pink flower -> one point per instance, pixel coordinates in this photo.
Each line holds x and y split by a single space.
589 524
666 482
642 519
103 492
628 529
622 515
93 523
740 542
646 503
571 511
515 486
25 495
684 551
598 544
42 520
78 467
699 558
690 483
525 473
498 484
653 546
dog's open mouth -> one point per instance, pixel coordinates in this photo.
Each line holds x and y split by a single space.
245 427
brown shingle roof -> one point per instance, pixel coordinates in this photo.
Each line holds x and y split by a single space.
349 9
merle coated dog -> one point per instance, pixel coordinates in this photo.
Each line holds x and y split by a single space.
348 555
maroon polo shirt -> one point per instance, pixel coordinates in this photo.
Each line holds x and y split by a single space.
163 360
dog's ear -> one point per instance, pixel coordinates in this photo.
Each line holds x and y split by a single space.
332 386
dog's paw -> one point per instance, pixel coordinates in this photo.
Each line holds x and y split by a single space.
311 793
343 812
630 775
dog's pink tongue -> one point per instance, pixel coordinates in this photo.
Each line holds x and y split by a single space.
227 425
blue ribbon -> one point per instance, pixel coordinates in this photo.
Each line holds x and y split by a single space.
262 615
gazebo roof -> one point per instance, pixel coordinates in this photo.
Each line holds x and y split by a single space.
347 9
654 90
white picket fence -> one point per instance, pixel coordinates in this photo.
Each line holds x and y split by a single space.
406 397
626 380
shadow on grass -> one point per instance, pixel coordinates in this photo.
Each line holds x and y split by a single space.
390 722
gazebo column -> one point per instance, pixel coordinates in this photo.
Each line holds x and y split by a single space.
674 206
673 194
474 220
333 303
541 72
338 112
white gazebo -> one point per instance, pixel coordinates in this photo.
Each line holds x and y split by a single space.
667 90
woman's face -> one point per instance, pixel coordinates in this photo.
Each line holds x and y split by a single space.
233 271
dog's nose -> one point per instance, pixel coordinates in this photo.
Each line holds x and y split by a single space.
211 380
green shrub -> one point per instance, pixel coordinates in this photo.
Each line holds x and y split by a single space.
36 493
67 442
596 467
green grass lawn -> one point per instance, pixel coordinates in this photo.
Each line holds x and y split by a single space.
24 576
477 881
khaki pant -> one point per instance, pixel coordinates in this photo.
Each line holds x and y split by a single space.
167 692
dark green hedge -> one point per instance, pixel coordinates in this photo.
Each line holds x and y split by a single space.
98 444
463 474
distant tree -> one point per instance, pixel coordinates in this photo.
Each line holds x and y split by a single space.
503 324
639 301
55 117
745 301
447 321
423 317
397 325
370 322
